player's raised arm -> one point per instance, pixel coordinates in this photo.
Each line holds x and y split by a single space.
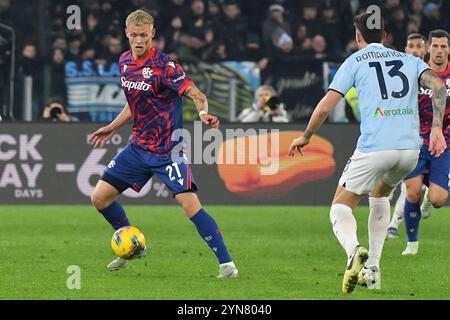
318 117
430 80
201 103
102 135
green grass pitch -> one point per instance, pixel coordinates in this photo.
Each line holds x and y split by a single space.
284 252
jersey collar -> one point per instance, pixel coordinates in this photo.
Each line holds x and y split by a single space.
442 72
141 61
376 44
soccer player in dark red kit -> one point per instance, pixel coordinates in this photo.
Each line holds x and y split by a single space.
153 84
432 170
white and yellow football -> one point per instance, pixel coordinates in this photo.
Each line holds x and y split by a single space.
128 242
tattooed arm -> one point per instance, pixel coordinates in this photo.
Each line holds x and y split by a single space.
201 103
199 98
430 80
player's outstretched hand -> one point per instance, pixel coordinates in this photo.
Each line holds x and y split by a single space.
437 142
212 120
101 136
298 144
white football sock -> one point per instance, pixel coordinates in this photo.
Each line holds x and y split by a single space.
378 225
399 208
344 227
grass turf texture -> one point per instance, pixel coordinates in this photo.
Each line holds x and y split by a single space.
281 253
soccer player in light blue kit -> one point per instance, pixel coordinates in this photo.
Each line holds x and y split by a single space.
387 82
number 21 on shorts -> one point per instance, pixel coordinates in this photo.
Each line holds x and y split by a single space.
170 171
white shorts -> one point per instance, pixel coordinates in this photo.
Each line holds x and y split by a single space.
365 170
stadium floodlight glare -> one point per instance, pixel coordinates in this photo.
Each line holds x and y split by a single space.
9 113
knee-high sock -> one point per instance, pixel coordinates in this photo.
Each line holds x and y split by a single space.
399 208
209 231
412 219
378 225
115 215
344 227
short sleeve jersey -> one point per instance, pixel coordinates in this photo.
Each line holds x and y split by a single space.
388 87
153 86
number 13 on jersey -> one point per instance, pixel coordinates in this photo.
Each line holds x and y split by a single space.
393 72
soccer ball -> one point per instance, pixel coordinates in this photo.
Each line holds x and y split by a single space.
127 242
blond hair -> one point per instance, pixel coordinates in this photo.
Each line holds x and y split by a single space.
139 17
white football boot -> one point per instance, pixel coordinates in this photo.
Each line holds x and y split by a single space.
228 270
354 265
119 263
411 249
370 278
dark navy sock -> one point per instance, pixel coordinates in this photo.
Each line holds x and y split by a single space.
115 215
412 217
209 231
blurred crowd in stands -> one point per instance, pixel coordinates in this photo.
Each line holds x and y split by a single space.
262 31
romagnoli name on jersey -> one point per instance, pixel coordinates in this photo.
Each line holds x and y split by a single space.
379 55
